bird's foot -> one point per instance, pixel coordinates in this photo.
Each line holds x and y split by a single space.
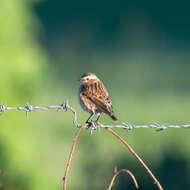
93 125
89 124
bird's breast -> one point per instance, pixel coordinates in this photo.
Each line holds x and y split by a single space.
81 98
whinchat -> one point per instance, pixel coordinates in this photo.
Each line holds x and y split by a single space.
93 96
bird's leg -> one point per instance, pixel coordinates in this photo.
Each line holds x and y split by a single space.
87 121
95 123
97 118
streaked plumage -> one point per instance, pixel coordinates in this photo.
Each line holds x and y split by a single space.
93 96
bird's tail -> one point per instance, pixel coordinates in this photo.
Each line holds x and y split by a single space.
113 118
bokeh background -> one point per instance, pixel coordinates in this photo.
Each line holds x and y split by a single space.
140 49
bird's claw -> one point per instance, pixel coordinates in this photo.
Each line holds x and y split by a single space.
89 124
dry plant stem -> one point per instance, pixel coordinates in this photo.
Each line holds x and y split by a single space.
71 156
137 157
117 173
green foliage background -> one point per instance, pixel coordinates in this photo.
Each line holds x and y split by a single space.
146 86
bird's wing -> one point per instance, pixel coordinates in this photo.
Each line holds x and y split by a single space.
100 97
102 104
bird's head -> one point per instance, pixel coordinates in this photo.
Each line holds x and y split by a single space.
88 78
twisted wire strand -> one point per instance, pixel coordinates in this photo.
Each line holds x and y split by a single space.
29 108
94 126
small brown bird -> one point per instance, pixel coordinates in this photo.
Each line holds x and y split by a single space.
93 96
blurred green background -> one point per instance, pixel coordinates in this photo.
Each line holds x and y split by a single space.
140 49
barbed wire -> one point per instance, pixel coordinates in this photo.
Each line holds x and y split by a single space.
29 108
93 126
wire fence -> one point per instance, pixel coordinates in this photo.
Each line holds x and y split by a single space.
93 126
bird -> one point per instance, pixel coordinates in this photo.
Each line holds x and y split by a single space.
93 97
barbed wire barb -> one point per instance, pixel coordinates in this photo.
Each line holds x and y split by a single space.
28 108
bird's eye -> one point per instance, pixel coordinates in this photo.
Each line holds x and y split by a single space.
87 79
